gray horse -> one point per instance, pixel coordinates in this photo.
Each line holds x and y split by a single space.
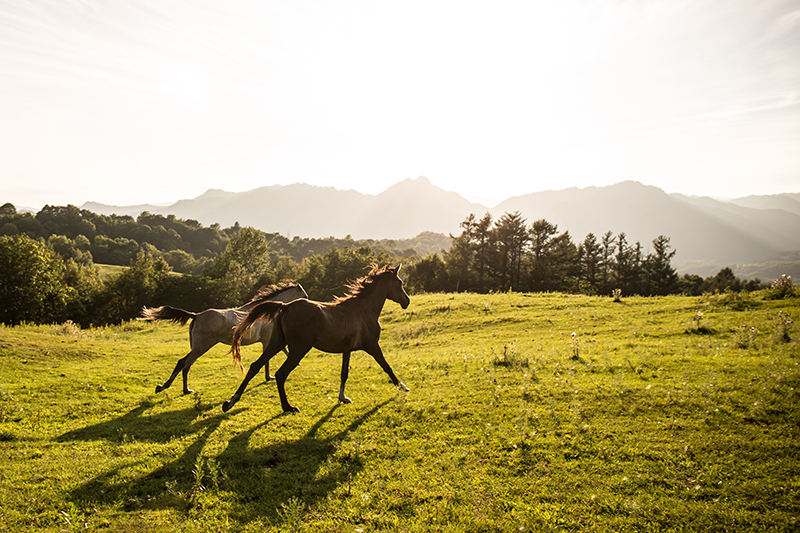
213 326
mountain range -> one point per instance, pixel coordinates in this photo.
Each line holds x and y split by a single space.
706 233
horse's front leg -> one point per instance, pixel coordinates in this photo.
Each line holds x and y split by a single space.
183 365
377 354
345 373
178 368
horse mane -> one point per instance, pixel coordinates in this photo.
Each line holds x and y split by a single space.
268 291
365 284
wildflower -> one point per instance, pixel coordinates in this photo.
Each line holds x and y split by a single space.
697 317
575 343
784 326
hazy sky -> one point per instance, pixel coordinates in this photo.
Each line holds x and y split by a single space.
126 102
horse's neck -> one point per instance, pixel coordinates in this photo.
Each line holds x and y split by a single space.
375 301
285 296
246 307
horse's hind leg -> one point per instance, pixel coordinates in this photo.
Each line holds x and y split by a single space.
276 344
190 359
255 368
267 375
292 360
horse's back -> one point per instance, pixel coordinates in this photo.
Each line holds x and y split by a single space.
302 314
330 327
290 295
216 325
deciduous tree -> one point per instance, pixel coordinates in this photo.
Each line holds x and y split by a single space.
32 287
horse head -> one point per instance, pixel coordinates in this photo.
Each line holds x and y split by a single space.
395 291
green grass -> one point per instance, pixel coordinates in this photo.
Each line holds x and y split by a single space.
646 419
111 271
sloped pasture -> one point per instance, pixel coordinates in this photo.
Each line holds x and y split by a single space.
527 412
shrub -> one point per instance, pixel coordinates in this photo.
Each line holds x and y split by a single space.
734 300
510 358
745 336
783 287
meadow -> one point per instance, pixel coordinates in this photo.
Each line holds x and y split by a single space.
527 412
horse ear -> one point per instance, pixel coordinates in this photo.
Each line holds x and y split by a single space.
397 269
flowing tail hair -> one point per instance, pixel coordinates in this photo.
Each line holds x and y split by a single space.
270 311
166 312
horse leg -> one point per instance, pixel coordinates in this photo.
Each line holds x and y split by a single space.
178 368
183 365
251 373
267 375
377 354
188 362
345 372
264 344
292 360
277 343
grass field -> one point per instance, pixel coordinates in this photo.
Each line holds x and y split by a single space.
110 271
526 413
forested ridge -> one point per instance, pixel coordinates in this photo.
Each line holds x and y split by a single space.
49 263
186 245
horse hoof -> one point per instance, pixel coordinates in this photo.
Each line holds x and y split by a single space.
291 409
226 406
345 399
159 388
188 391
270 378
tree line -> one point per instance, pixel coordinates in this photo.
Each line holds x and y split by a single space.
49 263
186 245
509 254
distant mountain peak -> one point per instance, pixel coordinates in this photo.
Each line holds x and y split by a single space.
420 182
700 229
216 193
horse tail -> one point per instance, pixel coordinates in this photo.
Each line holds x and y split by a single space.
166 312
269 311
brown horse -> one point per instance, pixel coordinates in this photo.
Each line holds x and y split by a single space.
213 326
342 326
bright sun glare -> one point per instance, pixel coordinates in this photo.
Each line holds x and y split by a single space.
488 100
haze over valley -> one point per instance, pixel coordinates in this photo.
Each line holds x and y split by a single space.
707 233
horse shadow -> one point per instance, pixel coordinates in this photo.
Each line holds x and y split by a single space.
137 424
307 469
260 482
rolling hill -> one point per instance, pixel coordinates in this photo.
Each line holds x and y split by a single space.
706 232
